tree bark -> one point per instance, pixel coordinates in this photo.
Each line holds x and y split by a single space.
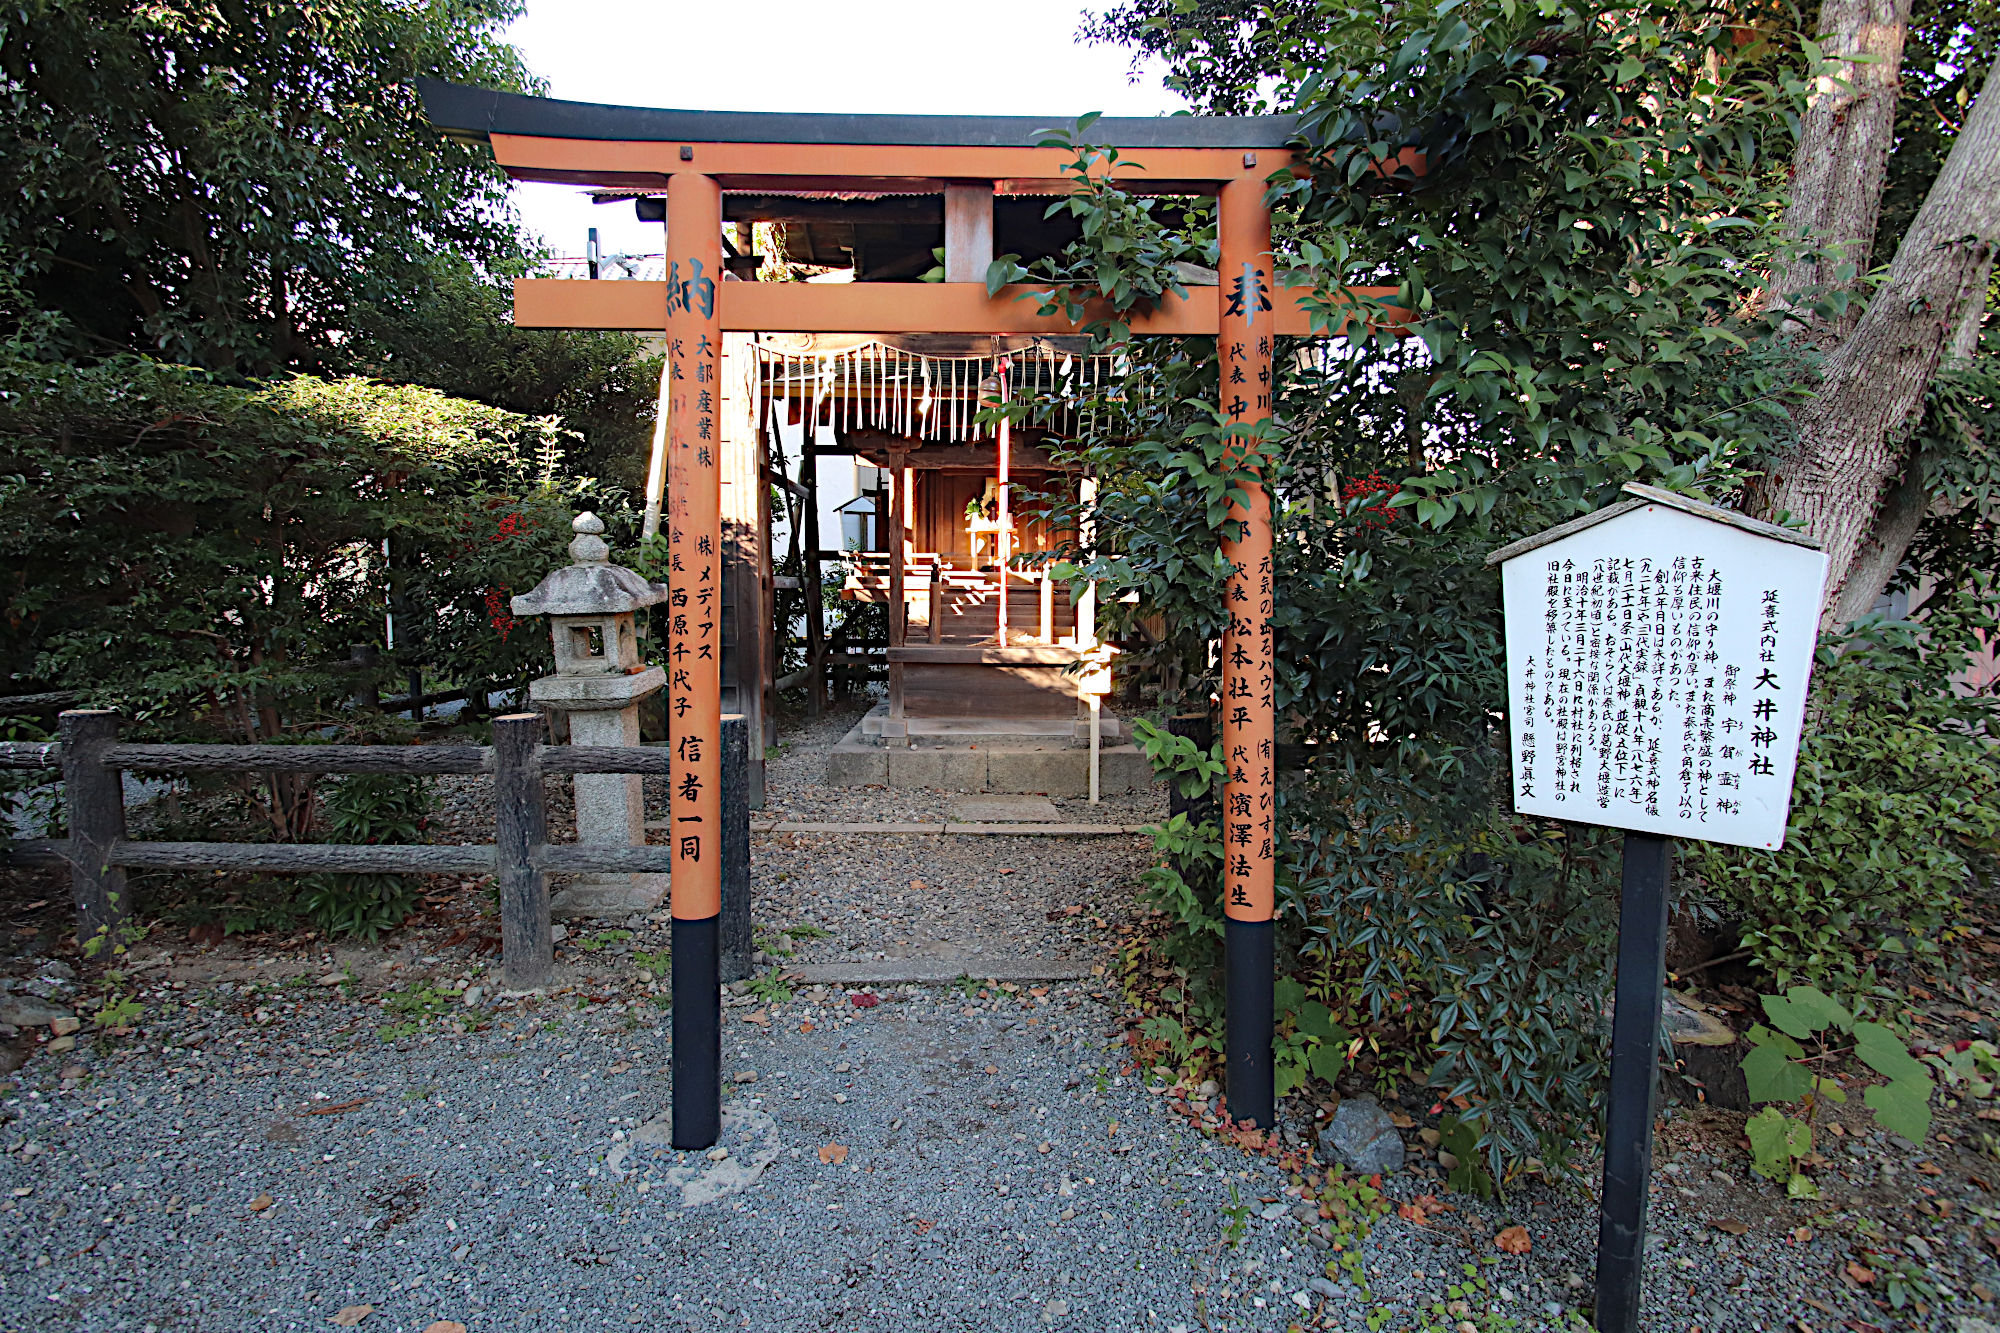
1875 381
1842 160
1907 503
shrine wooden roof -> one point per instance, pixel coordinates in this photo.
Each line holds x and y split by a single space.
479 113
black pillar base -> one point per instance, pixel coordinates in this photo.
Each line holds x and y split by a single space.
1248 961
1628 1119
697 1034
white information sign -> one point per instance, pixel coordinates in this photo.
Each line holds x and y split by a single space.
1658 654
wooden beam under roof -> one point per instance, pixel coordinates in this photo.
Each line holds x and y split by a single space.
863 307
874 446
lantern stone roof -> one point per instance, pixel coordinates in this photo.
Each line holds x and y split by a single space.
593 586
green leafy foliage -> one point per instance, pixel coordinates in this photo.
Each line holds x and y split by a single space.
1307 1041
368 808
1896 806
1193 770
201 555
1777 1142
224 185
1462 1137
413 1006
1578 259
30 799
450 327
772 986
1971 1068
1780 1072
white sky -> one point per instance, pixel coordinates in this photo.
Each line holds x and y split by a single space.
917 57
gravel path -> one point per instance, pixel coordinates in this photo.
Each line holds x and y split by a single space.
259 1157
256 1152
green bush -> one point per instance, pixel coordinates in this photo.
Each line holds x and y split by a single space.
368 808
1572 299
1896 805
200 554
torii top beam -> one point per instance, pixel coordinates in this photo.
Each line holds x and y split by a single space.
587 144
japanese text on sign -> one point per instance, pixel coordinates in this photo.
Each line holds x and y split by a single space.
1657 669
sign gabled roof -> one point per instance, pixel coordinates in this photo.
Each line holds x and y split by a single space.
1652 495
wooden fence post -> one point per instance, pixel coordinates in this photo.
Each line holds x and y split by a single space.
736 942
527 950
95 800
363 660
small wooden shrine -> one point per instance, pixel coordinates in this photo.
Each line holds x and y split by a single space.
965 526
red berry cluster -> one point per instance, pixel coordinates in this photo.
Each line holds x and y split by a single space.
496 612
510 526
1380 514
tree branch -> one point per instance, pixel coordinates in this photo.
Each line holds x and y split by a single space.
1842 161
1874 383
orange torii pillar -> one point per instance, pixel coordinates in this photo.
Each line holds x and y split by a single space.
694 649
1246 330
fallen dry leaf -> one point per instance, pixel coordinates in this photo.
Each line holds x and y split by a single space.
1858 1275
445 1326
918 885
924 1226
350 1315
1930 1168
1733 1226
806 1027
833 1154
618 1068
1800 1235
993 1069
1006 870
337 1107
1514 1240
1399 1120
761 1018
261 1202
1419 1210
865 1000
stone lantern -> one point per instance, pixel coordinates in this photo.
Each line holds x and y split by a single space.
599 683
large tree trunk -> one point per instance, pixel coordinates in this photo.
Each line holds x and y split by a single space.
1842 159
1904 505
1874 383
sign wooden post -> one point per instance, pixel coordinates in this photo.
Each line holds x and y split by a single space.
1658 654
694 650
1249 726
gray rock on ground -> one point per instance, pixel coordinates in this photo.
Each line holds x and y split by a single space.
22 1011
1362 1138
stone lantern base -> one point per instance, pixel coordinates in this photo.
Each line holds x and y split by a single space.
610 807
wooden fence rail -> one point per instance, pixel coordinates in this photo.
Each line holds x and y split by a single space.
98 853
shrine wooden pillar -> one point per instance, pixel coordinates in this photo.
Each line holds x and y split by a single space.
694 649
898 499
1246 331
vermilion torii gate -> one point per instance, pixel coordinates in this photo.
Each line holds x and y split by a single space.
694 158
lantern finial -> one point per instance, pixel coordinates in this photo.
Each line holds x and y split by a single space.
588 548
